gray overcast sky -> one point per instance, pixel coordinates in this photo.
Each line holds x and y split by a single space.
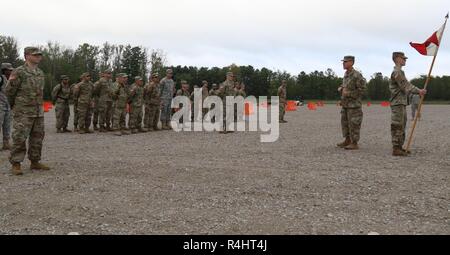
283 34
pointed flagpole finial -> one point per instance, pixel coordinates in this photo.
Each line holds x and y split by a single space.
447 16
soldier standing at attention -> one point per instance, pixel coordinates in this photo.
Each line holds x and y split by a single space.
282 94
5 109
352 90
85 106
184 91
75 106
226 89
167 89
136 103
103 91
152 103
400 87
25 92
120 97
60 95
96 112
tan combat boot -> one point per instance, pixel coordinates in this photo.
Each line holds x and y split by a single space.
345 143
35 165
16 169
398 152
352 146
6 145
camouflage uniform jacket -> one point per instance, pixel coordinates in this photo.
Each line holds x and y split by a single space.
166 88
226 89
83 92
400 87
181 92
151 94
282 94
355 84
4 105
136 95
26 91
61 93
103 89
121 95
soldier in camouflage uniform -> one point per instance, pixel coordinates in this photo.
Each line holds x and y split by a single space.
226 89
167 89
103 91
85 105
96 110
352 90
61 95
400 87
205 94
184 91
282 94
136 100
5 109
152 103
214 90
120 97
25 92
75 106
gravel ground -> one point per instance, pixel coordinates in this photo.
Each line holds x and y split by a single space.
209 183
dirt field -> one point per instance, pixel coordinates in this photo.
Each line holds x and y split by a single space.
209 183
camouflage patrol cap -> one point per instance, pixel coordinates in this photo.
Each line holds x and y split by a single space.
169 71
64 77
138 78
230 73
204 82
215 85
122 75
85 74
348 58
183 82
398 54
7 66
107 71
32 51
155 75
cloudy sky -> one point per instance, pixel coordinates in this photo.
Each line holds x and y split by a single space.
278 34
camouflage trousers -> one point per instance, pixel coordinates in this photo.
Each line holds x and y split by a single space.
166 110
31 128
282 110
5 123
119 118
96 112
105 111
399 119
84 116
151 116
62 111
75 115
351 120
135 121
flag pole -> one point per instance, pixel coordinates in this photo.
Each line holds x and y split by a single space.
422 98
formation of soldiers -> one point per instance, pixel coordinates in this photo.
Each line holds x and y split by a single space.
106 104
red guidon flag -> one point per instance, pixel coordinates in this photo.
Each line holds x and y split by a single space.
430 46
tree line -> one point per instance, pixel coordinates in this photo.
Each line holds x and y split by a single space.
137 60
